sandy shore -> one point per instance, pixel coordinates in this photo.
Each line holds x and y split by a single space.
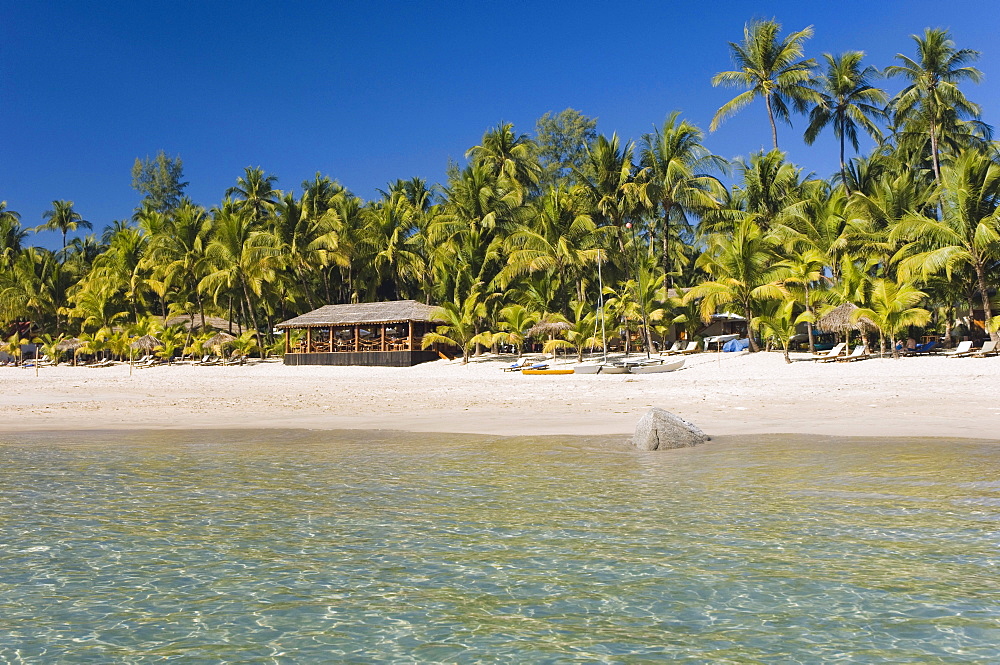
722 393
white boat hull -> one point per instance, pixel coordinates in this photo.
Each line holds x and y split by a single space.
657 369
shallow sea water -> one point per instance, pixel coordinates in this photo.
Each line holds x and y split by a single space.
316 547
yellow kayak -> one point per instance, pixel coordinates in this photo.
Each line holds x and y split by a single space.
546 371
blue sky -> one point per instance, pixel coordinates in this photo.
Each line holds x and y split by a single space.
369 92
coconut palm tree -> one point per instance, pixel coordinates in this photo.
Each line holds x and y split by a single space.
933 96
893 307
967 236
676 166
11 234
64 219
560 237
581 335
770 68
745 271
513 325
241 259
847 101
461 324
256 192
506 154
781 325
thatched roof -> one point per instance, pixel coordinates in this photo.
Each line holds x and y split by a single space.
218 339
548 328
71 344
146 343
841 318
215 322
396 311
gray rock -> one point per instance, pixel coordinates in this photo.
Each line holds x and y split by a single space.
661 430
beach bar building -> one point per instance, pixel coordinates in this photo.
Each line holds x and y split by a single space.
373 333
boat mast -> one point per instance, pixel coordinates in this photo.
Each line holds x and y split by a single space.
600 306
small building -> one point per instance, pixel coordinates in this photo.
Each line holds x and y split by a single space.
373 333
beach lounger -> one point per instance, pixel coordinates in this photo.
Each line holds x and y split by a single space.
107 362
860 352
962 350
674 348
517 366
832 354
989 349
922 349
692 347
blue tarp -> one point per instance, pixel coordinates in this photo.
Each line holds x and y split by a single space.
736 345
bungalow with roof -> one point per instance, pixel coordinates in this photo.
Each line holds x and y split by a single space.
374 333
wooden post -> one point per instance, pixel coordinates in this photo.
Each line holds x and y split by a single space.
357 338
409 337
288 340
383 337
333 341
309 340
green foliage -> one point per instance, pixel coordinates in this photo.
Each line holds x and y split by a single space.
562 141
159 182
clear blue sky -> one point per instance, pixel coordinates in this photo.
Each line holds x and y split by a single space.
368 92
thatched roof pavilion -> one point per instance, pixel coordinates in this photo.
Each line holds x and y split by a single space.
841 319
373 333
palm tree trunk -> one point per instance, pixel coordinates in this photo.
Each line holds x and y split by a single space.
666 245
843 166
753 343
770 116
934 154
987 311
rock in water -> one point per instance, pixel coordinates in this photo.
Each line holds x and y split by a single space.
661 430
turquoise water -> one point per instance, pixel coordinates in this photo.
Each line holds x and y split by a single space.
292 547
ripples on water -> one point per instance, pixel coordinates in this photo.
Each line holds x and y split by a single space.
350 547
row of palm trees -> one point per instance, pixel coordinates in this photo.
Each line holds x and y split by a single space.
909 233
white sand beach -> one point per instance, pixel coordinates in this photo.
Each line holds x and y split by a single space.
722 393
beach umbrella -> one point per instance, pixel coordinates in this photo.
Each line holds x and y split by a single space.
72 344
549 328
146 343
217 341
841 319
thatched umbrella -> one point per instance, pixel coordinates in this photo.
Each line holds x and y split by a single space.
146 343
72 344
841 319
549 328
217 341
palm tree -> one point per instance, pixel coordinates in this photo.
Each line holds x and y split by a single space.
64 219
780 325
582 333
847 101
514 323
256 191
745 271
507 154
242 259
461 324
11 233
892 307
968 235
12 347
560 238
675 161
933 95
768 68
805 277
